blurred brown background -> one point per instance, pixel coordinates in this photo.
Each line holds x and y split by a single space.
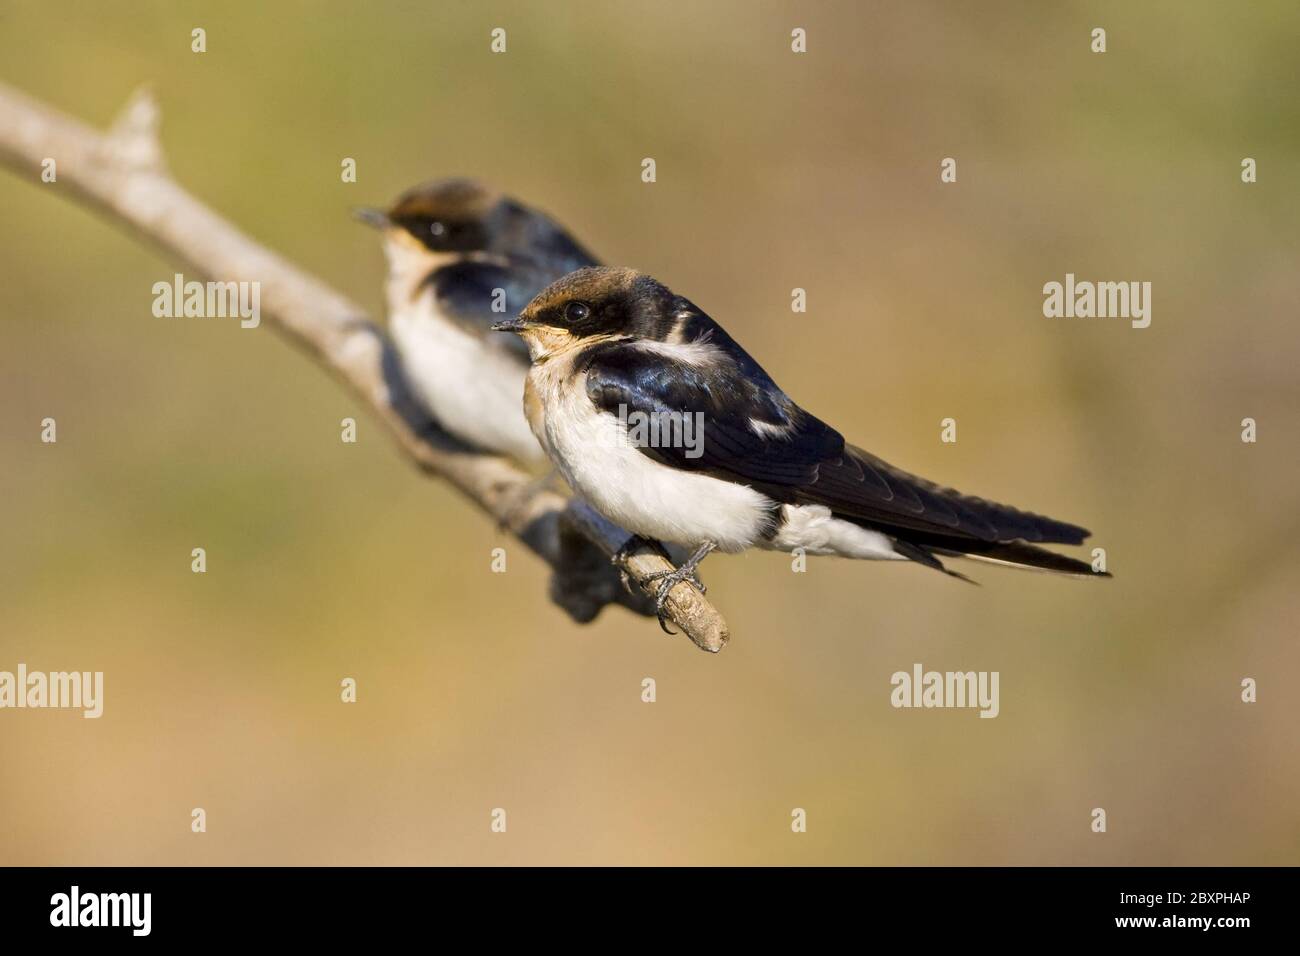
775 170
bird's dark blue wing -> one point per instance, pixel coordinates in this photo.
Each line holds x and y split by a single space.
466 291
753 434
739 429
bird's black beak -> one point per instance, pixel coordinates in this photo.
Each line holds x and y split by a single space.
376 218
516 324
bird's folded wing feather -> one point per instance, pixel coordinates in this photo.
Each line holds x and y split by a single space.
466 292
753 434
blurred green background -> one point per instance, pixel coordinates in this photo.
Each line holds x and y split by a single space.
775 170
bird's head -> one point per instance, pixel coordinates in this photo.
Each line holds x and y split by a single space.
598 303
445 216
446 220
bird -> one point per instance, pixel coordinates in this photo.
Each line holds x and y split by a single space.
459 255
612 349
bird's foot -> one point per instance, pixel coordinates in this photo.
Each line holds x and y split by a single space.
667 581
670 579
632 545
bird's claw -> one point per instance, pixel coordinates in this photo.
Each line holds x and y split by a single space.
686 574
631 546
669 580
625 551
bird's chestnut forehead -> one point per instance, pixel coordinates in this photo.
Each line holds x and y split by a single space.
455 199
591 285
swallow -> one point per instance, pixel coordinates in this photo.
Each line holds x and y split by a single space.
459 256
612 349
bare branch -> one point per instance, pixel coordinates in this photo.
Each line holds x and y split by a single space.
123 174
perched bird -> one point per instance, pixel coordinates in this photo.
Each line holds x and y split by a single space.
612 349
459 256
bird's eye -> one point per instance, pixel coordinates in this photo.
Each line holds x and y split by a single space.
577 311
437 229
